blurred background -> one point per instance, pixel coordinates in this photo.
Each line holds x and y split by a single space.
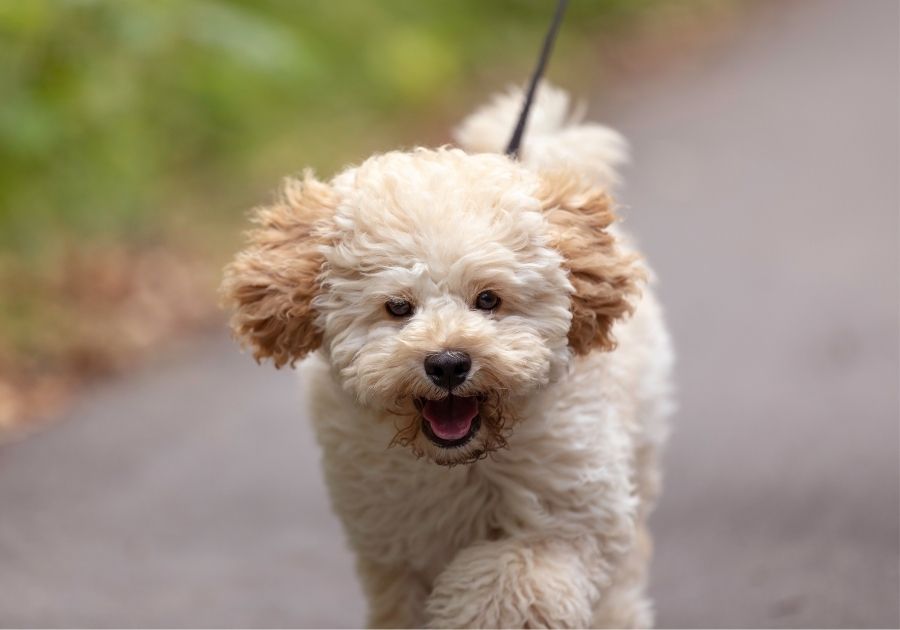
150 475
134 136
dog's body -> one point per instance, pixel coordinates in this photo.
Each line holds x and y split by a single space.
549 532
550 397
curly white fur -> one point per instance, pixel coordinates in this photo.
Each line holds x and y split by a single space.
539 520
555 135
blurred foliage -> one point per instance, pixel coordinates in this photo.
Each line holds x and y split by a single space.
122 118
133 131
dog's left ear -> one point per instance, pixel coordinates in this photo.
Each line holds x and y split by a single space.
271 284
606 279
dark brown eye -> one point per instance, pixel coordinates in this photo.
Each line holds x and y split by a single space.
398 307
487 301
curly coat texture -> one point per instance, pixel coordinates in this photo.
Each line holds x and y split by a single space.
539 519
272 282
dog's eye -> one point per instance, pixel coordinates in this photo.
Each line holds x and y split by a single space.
398 307
487 301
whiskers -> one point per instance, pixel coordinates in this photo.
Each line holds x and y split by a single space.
496 413
407 428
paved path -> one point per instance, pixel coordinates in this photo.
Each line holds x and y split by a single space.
766 193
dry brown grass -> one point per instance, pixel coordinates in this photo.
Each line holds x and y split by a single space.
96 314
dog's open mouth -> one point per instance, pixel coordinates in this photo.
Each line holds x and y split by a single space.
452 421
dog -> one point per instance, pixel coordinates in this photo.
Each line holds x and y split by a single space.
487 370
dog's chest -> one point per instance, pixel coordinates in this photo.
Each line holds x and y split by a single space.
565 471
416 513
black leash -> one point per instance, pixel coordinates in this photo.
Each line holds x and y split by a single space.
512 149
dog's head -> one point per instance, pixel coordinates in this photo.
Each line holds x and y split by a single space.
443 288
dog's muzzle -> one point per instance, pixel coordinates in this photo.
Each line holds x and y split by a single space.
452 421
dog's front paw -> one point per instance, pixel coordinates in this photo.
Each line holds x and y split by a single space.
508 584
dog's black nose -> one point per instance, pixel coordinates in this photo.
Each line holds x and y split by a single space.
448 369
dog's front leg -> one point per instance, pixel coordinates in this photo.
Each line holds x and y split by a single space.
514 583
396 595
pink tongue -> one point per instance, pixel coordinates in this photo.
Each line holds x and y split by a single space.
451 418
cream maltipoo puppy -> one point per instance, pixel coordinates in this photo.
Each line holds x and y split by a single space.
487 371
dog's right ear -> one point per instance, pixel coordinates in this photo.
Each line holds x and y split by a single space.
271 284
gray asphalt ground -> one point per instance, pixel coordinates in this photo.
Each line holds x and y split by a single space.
765 192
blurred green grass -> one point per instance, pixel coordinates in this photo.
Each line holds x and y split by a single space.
121 117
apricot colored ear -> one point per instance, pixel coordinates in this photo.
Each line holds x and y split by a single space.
271 284
605 278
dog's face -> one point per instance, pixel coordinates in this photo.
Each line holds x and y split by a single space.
443 288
